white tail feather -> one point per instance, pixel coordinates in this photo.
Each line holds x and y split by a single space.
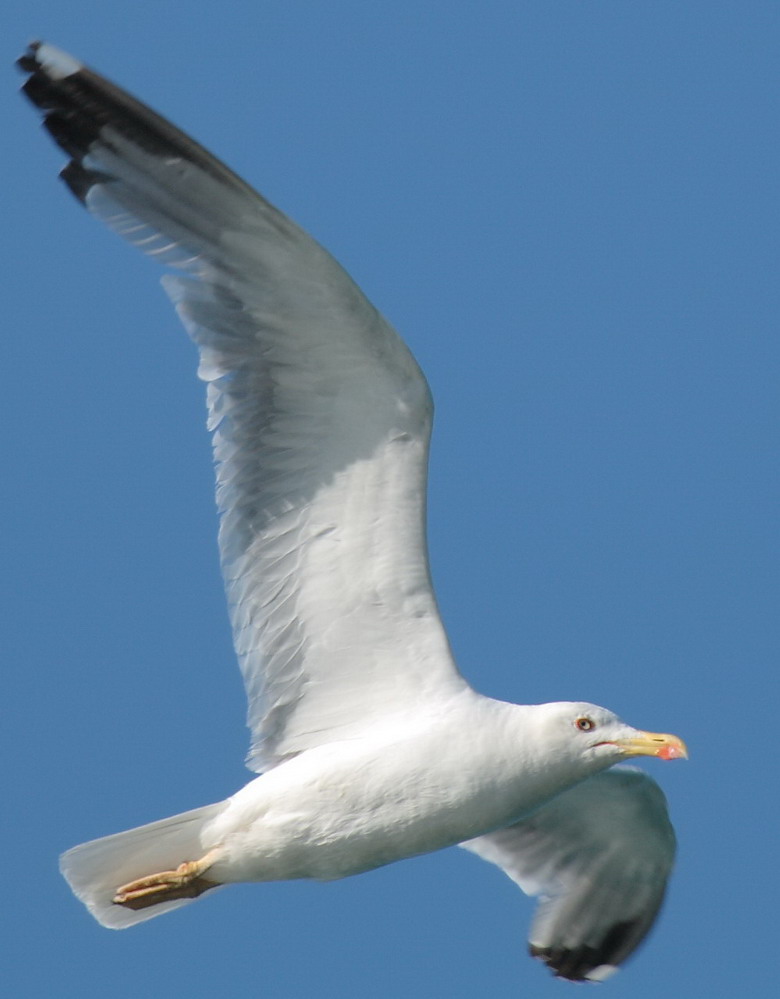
96 869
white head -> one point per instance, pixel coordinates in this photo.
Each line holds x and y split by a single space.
589 738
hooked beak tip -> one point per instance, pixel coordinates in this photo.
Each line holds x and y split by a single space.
658 744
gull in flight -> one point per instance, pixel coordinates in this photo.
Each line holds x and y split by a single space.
369 744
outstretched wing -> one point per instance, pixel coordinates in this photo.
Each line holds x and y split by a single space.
320 420
599 856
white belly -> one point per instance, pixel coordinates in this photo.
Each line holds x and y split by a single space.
352 806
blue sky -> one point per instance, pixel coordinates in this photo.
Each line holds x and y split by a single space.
569 209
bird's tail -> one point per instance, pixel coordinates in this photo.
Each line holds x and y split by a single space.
95 870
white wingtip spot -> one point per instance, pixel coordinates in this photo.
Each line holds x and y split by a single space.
602 973
56 63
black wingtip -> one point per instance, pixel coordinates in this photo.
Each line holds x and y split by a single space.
56 85
40 57
81 108
592 964
28 63
573 965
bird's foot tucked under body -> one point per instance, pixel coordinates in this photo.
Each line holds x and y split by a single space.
186 881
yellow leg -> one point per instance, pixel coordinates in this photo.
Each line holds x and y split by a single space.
186 881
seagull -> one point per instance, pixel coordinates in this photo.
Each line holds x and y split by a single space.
369 745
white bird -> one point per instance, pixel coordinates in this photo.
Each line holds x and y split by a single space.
371 747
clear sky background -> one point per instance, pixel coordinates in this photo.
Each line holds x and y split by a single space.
569 209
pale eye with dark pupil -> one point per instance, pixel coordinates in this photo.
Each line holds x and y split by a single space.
585 724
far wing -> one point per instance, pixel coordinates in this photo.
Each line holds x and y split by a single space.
599 856
320 420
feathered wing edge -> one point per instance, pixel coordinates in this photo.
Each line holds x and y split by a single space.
599 856
309 390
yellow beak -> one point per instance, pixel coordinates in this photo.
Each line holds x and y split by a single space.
666 747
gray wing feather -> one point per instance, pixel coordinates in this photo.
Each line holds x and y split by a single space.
319 414
599 856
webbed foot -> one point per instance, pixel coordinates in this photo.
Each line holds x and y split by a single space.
186 881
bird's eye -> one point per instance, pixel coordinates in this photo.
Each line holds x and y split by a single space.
585 724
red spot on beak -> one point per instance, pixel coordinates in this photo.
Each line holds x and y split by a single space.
670 753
